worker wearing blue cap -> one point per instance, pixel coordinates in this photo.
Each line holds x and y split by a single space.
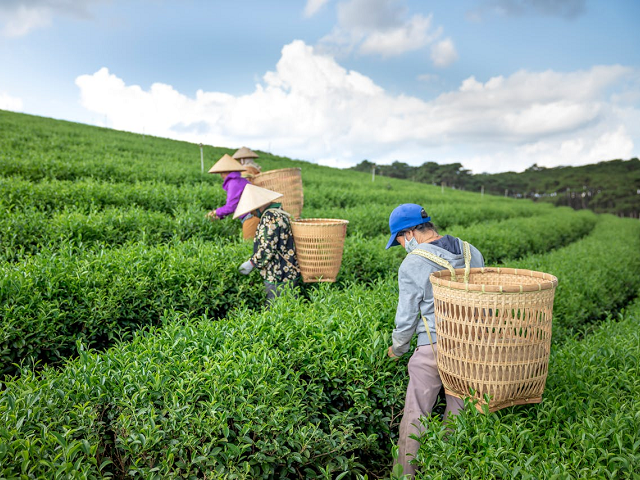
428 252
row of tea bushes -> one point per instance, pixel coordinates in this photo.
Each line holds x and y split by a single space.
304 390
597 275
91 194
49 301
587 426
372 218
519 237
39 148
28 232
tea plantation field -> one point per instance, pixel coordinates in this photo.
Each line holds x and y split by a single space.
130 346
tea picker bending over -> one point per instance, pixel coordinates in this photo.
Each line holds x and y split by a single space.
232 182
428 252
274 251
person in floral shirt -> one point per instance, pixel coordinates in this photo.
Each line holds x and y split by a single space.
274 251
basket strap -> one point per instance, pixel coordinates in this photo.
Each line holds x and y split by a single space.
466 249
426 326
437 260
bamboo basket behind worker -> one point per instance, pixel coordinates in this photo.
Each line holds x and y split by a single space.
494 333
287 181
319 246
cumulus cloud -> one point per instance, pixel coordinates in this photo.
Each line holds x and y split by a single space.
312 108
7 102
444 53
19 17
380 27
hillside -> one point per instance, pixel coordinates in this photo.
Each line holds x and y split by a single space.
605 187
130 345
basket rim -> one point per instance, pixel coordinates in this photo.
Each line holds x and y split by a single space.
442 278
279 170
320 221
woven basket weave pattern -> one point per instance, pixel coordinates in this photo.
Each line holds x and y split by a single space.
493 342
287 181
319 247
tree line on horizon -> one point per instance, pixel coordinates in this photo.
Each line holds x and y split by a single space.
606 187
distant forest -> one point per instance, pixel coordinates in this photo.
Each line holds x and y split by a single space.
605 187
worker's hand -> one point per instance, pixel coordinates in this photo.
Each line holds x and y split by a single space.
246 267
212 215
391 354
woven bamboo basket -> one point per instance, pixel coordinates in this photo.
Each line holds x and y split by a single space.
494 334
287 181
319 245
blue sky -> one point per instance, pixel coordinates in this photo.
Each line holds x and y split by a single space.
495 85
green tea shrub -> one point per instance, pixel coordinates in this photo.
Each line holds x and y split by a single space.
49 301
89 194
587 425
518 237
596 276
304 390
373 218
38 148
29 231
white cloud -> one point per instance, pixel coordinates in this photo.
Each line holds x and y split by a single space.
19 17
313 6
413 35
7 102
443 53
380 27
311 108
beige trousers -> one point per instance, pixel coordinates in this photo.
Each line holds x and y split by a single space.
422 393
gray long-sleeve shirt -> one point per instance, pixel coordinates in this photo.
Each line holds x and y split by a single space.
416 294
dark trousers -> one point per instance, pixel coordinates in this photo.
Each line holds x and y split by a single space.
275 290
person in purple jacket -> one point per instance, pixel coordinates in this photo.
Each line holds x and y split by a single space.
233 183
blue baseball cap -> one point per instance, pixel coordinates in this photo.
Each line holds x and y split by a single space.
405 216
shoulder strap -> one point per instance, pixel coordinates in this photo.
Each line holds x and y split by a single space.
437 260
466 250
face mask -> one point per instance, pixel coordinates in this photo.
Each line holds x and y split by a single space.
410 245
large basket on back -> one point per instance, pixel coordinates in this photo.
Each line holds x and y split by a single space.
494 333
319 246
288 182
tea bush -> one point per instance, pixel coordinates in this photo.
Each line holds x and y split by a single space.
28 232
49 301
587 425
519 237
597 275
91 195
304 390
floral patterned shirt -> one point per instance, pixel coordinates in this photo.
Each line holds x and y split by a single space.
274 253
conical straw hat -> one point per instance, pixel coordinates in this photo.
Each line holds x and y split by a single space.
245 152
226 164
254 197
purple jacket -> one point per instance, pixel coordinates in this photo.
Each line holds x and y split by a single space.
234 185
